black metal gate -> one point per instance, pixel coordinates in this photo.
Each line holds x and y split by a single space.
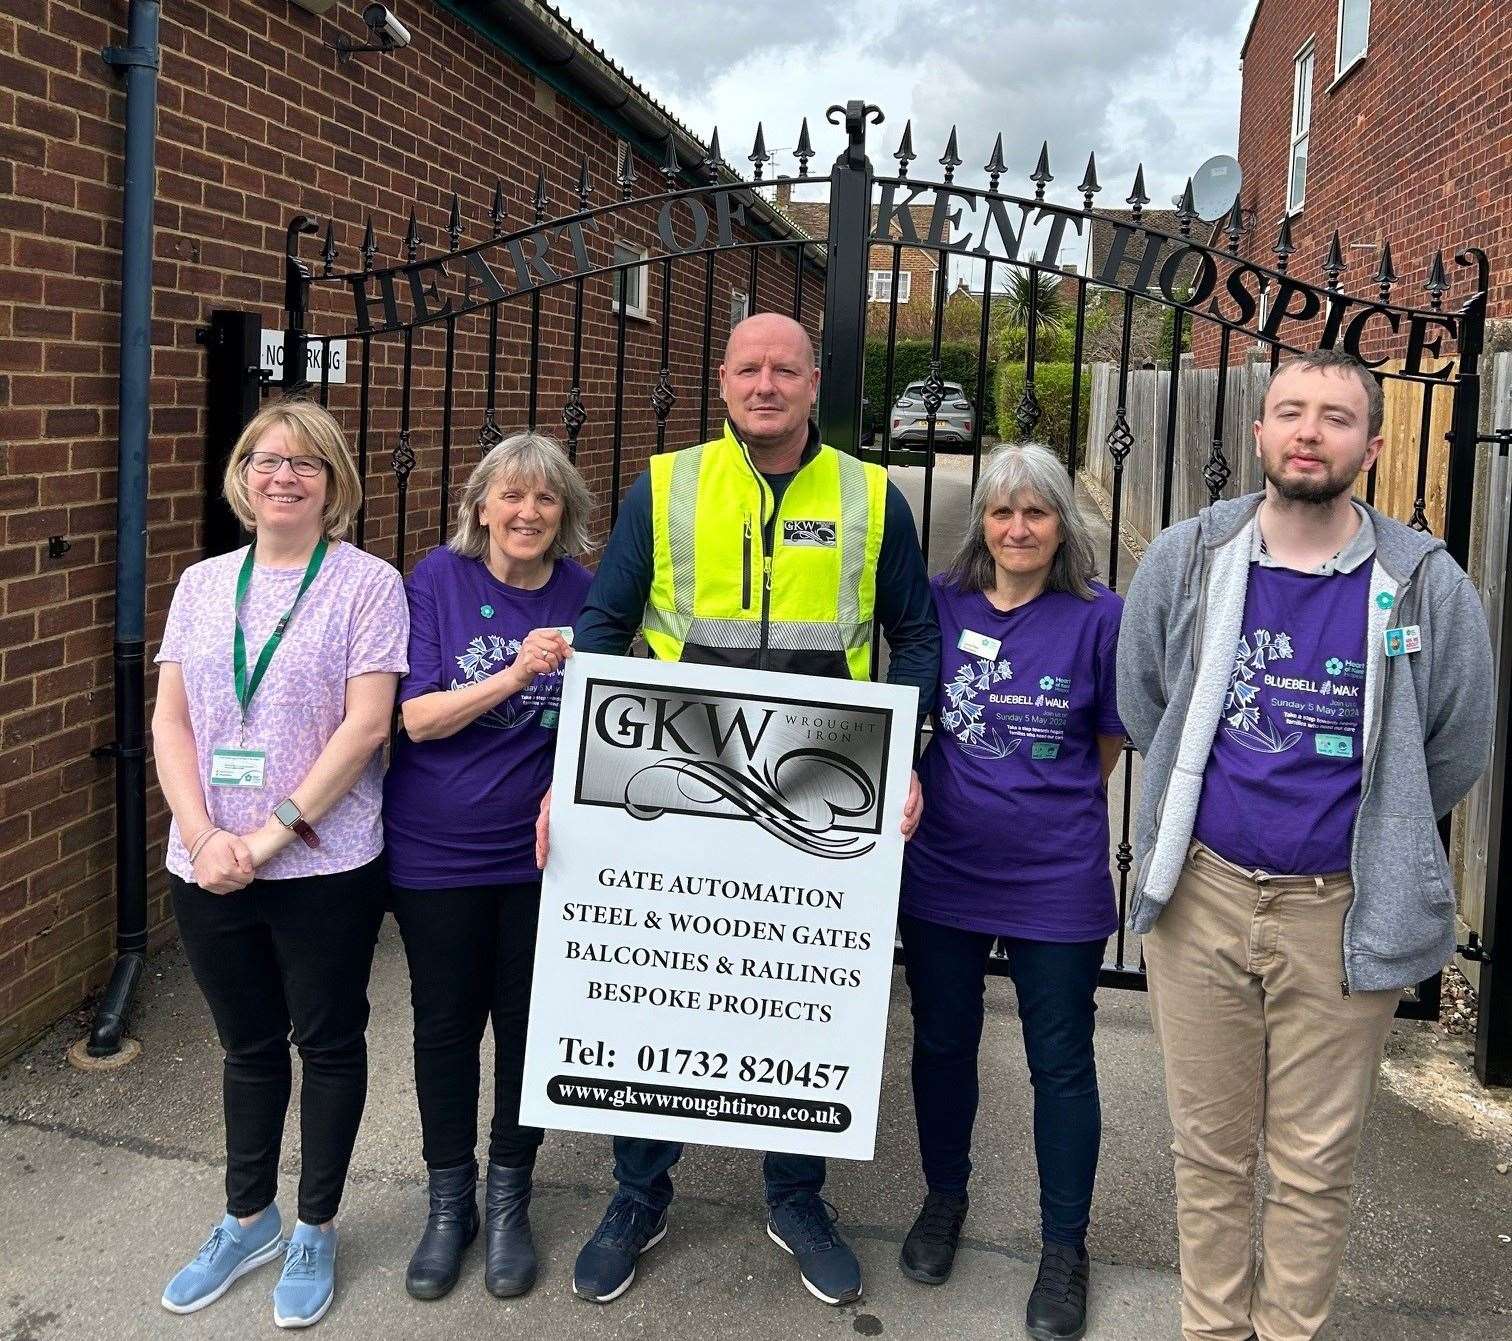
603 318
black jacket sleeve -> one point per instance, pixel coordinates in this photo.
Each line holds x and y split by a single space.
904 605
616 602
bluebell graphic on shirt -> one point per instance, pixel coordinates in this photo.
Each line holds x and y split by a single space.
989 722
488 655
966 718
1269 711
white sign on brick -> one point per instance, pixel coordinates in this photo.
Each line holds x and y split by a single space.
273 358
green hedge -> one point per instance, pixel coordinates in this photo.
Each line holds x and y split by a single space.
958 363
1052 388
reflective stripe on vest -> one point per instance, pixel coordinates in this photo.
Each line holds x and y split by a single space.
708 512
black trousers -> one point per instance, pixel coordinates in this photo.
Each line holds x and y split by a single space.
471 952
277 959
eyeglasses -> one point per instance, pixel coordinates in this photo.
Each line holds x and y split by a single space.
266 463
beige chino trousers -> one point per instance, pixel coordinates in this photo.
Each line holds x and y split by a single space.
1245 973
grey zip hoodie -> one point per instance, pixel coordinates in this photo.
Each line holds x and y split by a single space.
1427 722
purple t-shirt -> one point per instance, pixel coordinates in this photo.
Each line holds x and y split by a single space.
1283 779
1014 838
462 811
352 621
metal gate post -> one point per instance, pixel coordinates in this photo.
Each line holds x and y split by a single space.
843 359
1493 1025
233 395
1465 425
296 300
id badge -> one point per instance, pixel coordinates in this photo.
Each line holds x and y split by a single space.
237 768
1400 641
566 632
978 644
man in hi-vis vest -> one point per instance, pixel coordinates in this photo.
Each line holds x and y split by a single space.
763 548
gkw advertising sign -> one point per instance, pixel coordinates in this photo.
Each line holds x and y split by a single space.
717 914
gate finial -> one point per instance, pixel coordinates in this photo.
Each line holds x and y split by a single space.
1186 210
1333 261
496 209
671 167
539 202
454 223
1041 175
328 252
1089 184
412 237
369 245
1386 274
626 174
995 166
712 162
1137 199
805 149
1284 245
758 155
1233 225
950 160
584 183
1438 281
905 150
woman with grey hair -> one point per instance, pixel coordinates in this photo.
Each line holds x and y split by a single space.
491 619
1013 849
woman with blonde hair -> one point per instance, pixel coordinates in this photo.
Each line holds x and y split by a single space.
279 664
490 627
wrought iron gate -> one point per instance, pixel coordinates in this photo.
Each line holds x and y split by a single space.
555 321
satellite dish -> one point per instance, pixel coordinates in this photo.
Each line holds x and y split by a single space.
1214 186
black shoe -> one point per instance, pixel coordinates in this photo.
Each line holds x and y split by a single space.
451 1225
509 1251
1058 1303
804 1226
605 1267
930 1248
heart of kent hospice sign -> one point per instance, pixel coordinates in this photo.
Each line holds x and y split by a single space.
715 949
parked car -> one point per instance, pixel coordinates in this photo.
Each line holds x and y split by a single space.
954 421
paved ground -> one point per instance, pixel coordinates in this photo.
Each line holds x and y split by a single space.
107 1181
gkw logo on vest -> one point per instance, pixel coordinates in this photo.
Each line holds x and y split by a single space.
810 773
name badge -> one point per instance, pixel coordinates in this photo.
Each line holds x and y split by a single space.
1400 641
978 644
237 768
1333 746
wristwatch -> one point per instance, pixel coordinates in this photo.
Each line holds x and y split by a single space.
288 814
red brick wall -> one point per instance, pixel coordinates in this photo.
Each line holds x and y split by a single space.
257 121
1413 147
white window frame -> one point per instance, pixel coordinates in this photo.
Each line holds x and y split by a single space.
1304 66
879 287
740 302
636 309
1343 63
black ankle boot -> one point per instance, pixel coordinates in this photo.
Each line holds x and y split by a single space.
451 1225
930 1248
1058 1303
509 1252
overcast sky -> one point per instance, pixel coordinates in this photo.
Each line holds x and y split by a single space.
1157 81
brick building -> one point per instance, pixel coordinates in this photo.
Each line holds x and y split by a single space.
260 119
1387 120
917 266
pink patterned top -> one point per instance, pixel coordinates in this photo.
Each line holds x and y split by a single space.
352 620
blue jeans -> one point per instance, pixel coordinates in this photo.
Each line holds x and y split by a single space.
946 970
643 1170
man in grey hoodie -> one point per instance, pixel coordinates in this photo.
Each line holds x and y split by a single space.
1310 685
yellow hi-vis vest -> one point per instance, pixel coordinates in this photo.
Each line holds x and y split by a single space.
735 585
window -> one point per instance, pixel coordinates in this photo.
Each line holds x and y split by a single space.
1296 177
740 307
1354 34
881 286
630 285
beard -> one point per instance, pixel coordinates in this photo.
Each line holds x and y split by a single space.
1311 490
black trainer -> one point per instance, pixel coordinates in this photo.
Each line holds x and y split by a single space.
1057 1308
930 1248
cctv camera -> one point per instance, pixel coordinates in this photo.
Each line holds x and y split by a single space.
382 21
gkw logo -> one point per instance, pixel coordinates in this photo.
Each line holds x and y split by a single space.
810 773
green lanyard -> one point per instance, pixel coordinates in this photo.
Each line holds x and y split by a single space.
245 688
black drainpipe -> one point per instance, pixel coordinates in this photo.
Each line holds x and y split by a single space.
139 60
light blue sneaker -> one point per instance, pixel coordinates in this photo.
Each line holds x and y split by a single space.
232 1250
308 1283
